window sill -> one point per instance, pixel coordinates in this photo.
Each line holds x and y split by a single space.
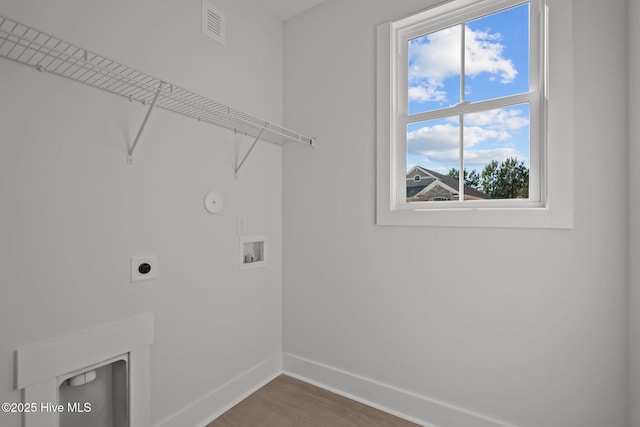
541 217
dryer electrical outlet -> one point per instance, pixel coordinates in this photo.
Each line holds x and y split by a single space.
144 268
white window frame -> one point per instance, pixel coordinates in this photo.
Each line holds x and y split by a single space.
551 172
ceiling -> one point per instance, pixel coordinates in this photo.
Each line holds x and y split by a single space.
287 8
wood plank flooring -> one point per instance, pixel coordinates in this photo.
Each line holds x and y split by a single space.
288 402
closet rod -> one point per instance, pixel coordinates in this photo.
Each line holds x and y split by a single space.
28 46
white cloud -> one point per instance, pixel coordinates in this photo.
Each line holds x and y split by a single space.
427 92
430 139
474 159
439 142
444 170
435 57
448 156
479 158
484 54
474 135
503 119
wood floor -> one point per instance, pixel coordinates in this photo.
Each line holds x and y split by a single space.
288 402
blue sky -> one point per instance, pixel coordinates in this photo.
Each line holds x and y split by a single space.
496 64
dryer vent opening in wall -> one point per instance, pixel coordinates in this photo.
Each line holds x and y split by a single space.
213 22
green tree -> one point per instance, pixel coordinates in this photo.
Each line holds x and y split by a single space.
506 180
472 179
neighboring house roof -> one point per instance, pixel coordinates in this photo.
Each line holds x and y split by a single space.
427 177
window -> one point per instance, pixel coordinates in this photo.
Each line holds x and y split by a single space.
462 99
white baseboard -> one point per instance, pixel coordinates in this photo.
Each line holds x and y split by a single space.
220 400
404 404
410 406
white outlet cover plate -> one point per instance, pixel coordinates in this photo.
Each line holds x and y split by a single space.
136 262
213 202
242 224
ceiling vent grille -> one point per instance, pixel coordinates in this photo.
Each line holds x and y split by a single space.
213 22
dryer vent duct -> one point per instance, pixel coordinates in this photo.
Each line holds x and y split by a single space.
213 22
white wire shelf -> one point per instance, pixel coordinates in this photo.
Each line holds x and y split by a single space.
28 46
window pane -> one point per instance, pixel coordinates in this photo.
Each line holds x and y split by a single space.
433 150
434 70
496 153
497 55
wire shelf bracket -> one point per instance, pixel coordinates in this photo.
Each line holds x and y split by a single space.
239 165
44 52
144 123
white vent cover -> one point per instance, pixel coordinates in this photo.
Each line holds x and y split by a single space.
213 22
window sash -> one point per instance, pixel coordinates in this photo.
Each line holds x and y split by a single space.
426 23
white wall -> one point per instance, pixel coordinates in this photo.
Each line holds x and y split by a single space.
532 331
634 211
523 326
72 211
